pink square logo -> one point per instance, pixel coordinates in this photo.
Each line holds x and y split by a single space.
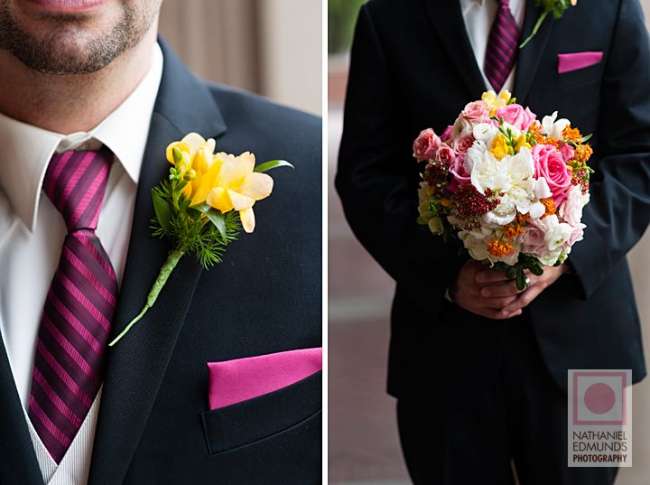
599 397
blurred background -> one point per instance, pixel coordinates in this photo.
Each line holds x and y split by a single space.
271 47
363 443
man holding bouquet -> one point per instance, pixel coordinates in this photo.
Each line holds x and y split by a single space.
495 354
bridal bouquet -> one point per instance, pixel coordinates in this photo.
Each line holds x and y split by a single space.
510 187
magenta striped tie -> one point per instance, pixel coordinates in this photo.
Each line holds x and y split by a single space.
502 48
76 319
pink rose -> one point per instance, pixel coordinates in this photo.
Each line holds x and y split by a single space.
533 240
567 152
577 234
460 175
426 145
446 135
446 154
517 116
476 112
550 164
463 144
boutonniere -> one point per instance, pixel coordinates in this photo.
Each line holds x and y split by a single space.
554 7
203 205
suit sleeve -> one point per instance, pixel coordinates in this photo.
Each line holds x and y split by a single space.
377 176
619 211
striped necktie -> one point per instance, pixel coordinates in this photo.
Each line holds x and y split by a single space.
502 47
76 318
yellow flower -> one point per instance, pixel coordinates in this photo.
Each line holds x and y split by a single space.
495 102
230 183
499 147
521 143
436 226
192 157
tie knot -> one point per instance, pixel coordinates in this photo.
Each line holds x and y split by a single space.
75 182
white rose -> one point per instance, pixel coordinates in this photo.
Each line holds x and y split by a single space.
474 245
502 214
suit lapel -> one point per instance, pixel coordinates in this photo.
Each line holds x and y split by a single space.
136 366
530 56
18 463
447 18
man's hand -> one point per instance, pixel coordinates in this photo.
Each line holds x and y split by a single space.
491 294
536 285
469 291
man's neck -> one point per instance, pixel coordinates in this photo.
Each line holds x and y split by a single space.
71 103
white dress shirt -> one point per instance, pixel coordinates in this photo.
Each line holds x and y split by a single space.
32 232
479 16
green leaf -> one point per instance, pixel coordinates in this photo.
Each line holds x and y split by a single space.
218 220
521 280
537 270
586 138
204 208
266 166
161 208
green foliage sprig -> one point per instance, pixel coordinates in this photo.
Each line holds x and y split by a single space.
556 8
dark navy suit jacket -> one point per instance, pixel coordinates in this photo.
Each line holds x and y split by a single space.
412 67
154 424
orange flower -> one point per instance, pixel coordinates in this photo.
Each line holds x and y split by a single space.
512 230
551 141
583 153
572 134
499 248
522 219
549 204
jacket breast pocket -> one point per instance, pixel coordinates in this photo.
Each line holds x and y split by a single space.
581 77
267 416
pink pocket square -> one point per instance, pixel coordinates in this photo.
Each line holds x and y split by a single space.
577 60
234 381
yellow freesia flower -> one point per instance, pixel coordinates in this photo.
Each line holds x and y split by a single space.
192 156
230 183
522 143
223 181
499 147
495 102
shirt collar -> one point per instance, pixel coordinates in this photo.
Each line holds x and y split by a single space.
27 150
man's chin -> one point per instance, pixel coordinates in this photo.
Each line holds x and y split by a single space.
74 42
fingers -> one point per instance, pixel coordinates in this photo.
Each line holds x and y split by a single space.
506 289
490 276
525 298
497 303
